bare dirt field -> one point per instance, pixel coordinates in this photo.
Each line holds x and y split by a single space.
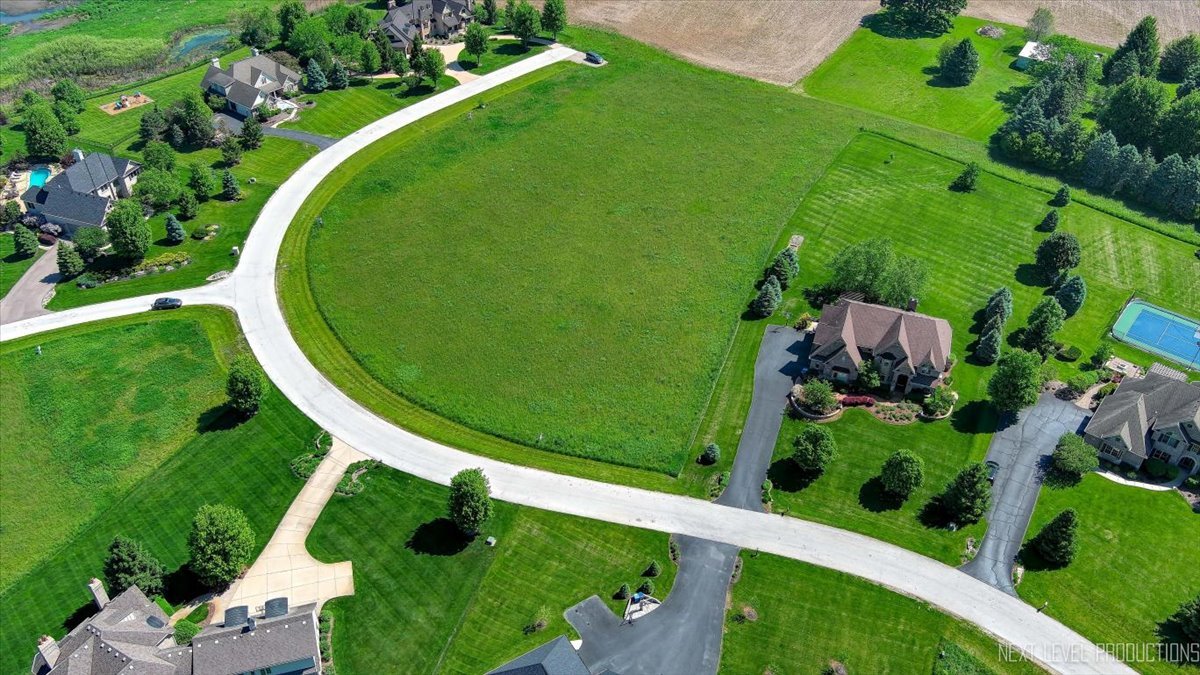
781 41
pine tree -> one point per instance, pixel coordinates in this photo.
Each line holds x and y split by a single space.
231 190
489 12
251 136
1044 322
1072 294
969 495
1050 222
130 564
1179 128
962 64
175 231
1000 304
768 299
25 242
1164 182
70 263
1142 42
784 267
965 182
1179 58
988 349
1124 68
1062 197
1057 542
338 77
1100 163
189 207
314 77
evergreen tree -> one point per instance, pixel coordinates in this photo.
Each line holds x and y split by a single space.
194 119
1185 204
1062 197
314 77
1017 380
1058 253
554 16
1050 222
246 385
203 181
1191 83
962 64
175 232
70 263
768 299
1134 109
988 350
489 12
1142 42
965 182
369 59
1179 58
470 503
1164 183
1057 542
189 207
338 77
129 564
1188 618
1124 69
903 472
1000 304
969 495
1044 322
128 230
231 150
231 190
1129 177
1072 294
25 242
711 454
784 267
814 448
251 136
387 53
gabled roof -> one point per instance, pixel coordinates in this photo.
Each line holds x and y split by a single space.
400 23
852 326
95 171
57 199
121 638
556 657
242 94
242 77
1035 50
1140 405
288 639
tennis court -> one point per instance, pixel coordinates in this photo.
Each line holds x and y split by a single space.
1160 332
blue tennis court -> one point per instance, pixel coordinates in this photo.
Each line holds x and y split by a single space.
1160 332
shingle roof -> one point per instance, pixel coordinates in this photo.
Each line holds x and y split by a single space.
556 657
241 78
400 22
291 638
851 325
95 171
242 94
57 199
121 638
1139 405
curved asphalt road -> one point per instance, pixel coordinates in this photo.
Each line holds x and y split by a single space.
251 292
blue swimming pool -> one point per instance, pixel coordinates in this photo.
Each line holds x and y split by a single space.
38 177
1161 332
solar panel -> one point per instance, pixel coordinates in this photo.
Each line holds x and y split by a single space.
276 607
236 616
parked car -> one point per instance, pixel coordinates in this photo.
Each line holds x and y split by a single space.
993 469
593 57
167 303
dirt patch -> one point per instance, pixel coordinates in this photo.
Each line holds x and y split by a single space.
126 103
779 41
1104 22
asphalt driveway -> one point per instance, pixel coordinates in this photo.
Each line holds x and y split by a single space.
1022 449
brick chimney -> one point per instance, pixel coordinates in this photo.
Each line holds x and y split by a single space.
98 593
216 61
48 648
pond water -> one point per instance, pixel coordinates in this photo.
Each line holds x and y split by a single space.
200 42
6 18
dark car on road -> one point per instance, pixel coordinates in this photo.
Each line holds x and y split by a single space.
593 57
167 303
993 469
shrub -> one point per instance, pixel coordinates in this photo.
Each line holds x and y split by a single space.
819 397
1056 543
711 454
869 376
647 587
653 570
470 500
969 495
856 401
1157 468
966 181
814 448
1106 390
1050 222
1070 354
246 385
1080 383
767 491
1062 197
221 543
86 281
622 592
1073 457
130 564
939 402
903 472
184 631
1188 618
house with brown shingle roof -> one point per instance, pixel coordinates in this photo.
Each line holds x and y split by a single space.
911 350
249 83
438 18
1152 417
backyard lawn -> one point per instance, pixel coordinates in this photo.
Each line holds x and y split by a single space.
898 76
1137 560
610 295
123 433
462 606
11 265
339 112
829 615
269 165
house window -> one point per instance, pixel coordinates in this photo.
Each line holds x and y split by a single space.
1110 450
1159 454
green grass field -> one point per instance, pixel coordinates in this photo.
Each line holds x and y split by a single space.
269 165
464 606
1137 561
604 317
898 77
339 112
12 266
500 53
172 366
834 616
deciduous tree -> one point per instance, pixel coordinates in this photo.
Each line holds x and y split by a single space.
189 207
926 16
128 230
251 136
470 501
903 472
814 448
291 13
257 26
526 22
1073 457
65 91
158 155
1017 380
554 16
1058 253
203 181
246 385
1134 109
1179 128
221 543
89 241
1040 26
475 42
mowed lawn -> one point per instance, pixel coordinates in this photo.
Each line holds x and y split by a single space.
269 166
500 53
204 456
520 286
338 112
897 76
807 616
1137 560
461 605
12 266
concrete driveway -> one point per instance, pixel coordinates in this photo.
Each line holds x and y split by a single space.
1022 449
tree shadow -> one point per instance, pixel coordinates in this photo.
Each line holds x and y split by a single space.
438 537
875 499
511 49
1016 338
819 296
1059 480
1179 647
974 417
785 475
1033 561
417 89
218 418
934 515
182 585
885 25
1009 98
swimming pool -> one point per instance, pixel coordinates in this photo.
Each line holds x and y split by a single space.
1160 332
38 177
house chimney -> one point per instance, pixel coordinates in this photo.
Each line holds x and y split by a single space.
216 62
98 593
77 154
391 4
251 624
912 304
48 648
254 51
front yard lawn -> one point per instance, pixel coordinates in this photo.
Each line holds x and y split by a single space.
1137 562
807 616
130 441
11 265
463 606
500 53
338 112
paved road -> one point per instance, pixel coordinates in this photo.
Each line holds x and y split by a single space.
24 300
1022 449
235 125
251 291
